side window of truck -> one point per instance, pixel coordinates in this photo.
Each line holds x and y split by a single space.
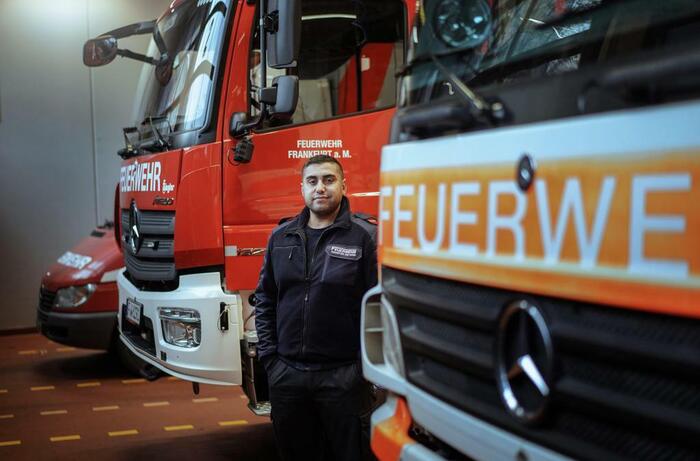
350 52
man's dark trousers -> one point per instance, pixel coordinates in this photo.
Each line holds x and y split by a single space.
308 405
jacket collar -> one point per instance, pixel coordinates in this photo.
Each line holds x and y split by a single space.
302 219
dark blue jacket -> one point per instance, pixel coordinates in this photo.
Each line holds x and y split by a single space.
314 317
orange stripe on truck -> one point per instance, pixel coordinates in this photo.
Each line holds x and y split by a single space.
620 230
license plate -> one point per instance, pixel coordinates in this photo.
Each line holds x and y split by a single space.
133 311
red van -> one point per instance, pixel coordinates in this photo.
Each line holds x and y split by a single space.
78 296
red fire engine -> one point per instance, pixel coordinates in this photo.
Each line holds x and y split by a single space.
213 163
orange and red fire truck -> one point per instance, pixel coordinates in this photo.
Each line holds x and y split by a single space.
234 97
539 235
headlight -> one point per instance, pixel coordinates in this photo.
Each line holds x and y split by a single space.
181 327
462 24
391 342
74 296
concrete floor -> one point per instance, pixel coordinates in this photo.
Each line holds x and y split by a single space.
62 403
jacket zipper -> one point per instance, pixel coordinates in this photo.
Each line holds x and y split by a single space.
307 279
301 234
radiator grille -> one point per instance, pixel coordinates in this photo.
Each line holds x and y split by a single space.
154 260
626 384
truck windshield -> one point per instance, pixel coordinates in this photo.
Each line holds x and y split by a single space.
179 93
498 42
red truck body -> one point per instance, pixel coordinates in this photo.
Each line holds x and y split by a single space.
194 218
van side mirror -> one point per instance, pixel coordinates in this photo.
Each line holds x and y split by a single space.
283 29
100 51
287 89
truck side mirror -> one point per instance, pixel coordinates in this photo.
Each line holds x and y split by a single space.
99 51
285 104
283 27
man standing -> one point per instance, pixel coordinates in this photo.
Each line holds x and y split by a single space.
316 270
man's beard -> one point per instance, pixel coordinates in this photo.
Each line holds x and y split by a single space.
324 210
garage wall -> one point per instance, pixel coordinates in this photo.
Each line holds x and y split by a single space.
60 128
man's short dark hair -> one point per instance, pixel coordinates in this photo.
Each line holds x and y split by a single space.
319 159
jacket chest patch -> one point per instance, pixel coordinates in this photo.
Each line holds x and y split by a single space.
351 253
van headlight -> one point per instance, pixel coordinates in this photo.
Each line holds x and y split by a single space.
74 296
181 327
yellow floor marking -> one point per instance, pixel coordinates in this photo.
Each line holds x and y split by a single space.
3 391
173 378
31 352
156 404
10 443
7 416
107 408
123 433
91 384
184 427
206 400
53 412
65 349
133 381
238 422
64 438
42 388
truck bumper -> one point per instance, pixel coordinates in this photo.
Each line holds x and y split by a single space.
86 330
217 358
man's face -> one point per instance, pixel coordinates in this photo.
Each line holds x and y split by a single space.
322 187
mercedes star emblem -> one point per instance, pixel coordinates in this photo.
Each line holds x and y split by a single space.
133 236
524 359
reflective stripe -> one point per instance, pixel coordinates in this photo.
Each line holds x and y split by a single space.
390 436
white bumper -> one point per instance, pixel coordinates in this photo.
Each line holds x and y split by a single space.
217 359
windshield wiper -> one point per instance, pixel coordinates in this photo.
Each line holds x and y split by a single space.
491 111
483 109
442 117
129 150
161 143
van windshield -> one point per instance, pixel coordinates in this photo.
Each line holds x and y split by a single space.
494 42
178 95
